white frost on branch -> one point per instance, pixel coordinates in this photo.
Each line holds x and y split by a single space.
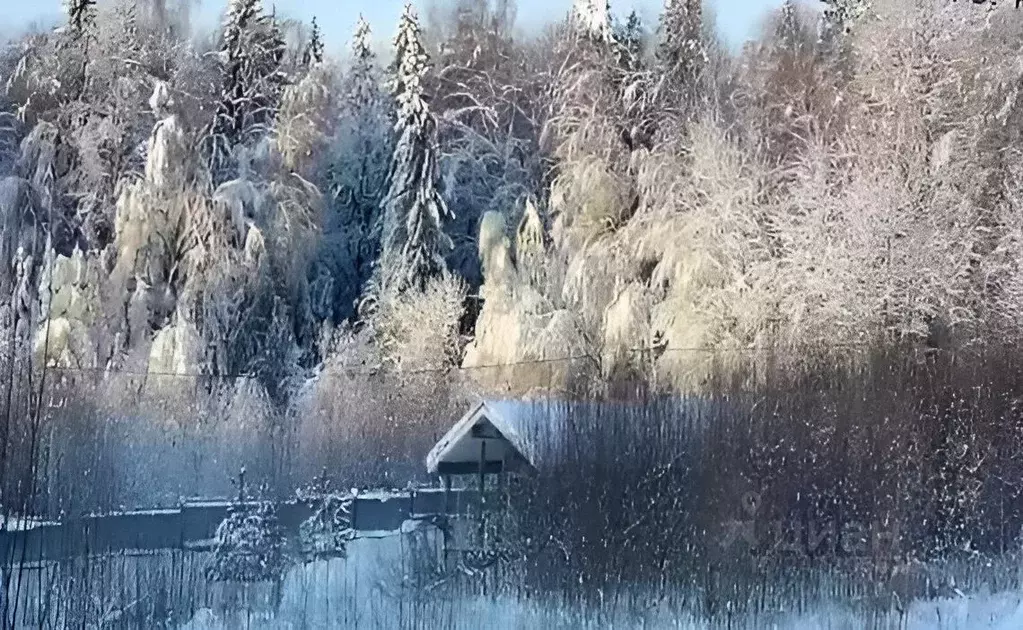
593 19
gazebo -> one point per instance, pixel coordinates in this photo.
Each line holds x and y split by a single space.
486 440
493 438
502 438
520 436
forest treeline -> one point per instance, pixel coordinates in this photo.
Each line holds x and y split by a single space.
237 202
229 249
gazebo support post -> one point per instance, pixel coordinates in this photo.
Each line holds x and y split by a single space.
446 520
483 461
483 515
501 483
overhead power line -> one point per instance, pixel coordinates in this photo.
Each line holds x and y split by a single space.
363 369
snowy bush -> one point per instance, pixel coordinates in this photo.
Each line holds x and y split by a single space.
248 546
326 533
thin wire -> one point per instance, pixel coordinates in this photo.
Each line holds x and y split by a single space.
362 369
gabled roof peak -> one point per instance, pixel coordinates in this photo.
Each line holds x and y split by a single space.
483 435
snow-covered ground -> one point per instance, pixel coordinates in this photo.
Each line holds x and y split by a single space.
314 610
363 591
1002 611
372 588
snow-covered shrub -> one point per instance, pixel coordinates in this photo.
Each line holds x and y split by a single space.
419 330
248 546
326 533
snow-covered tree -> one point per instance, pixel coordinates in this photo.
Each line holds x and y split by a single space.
839 16
789 28
314 49
587 86
593 20
251 52
480 30
355 181
414 242
362 87
248 546
486 122
681 52
630 37
326 533
81 16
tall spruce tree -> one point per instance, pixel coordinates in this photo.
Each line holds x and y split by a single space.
370 121
251 52
313 52
361 87
414 242
681 53
356 182
630 38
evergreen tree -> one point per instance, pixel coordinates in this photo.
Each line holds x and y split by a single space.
839 16
314 50
630 38
251 52
130 36
681 53
483 88
356 182
73 46
248 546
414 242
81 16
368 113
480 40
593 20
362 90
326 533
789 28
594 80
